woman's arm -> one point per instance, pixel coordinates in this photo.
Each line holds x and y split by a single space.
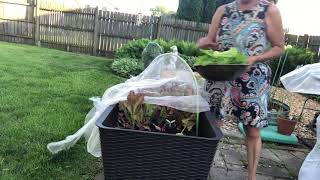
210 40
275 35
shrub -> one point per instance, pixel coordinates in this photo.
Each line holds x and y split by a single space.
186 48
296 56
164 44
189 59
315 97
152 50
126 67
132 49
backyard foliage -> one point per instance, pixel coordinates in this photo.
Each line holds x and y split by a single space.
190 10
208 10
134 50
223 2
161 11
152 50
199 10
44 97
126 67
293 57
189 59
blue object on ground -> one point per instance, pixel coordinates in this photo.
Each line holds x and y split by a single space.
271 134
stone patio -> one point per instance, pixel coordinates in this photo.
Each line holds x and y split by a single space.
278 162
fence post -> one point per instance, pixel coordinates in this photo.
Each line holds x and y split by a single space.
95 31
37 23
159 27
306 41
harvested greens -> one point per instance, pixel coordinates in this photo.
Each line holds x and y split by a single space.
210 57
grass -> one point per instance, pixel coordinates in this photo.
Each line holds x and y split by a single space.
44 97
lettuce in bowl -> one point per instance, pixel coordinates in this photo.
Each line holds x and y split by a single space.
210 57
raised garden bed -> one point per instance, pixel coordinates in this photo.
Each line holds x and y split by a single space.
136 154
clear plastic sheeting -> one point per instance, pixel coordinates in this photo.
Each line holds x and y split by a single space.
310 169
167 81
304 80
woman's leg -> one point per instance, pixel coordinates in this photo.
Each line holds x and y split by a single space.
253 143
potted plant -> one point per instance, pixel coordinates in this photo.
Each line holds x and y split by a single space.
286 124
144 141
277 109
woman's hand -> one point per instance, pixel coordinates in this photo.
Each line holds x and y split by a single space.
207 43
210 41
251 61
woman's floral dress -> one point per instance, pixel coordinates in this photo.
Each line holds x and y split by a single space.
246 98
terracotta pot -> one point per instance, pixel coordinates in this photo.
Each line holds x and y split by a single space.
285 126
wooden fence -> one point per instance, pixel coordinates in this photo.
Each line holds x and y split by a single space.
54 24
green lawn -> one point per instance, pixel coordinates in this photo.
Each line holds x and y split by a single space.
44 97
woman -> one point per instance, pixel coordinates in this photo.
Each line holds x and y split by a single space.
251 26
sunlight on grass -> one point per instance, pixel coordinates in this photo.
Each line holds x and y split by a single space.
44 97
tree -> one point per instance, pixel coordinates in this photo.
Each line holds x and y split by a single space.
160 10
199 10
223 2
208 10
190 10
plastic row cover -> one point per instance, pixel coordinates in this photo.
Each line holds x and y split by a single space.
168 81
303 80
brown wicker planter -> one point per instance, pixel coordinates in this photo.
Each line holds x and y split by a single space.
286 126
140 155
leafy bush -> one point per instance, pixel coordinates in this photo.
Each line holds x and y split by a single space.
296 56
314 97
186 48
164 44
132 49
152 50
126 67
189 59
